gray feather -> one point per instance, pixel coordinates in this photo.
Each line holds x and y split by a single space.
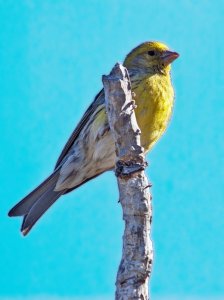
38 209
22 208
98 101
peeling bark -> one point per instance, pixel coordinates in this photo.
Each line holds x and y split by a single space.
135 266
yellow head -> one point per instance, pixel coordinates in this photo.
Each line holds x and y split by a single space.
150 58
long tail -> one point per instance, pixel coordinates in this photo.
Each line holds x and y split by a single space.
34 205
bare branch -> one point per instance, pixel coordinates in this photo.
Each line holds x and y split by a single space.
137 254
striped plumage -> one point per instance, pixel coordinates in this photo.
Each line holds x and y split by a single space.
90 149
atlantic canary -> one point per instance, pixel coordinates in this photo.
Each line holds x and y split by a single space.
90 150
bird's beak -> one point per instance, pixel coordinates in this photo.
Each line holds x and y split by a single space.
169 56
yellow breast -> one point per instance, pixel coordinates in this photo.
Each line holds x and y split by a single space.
154 100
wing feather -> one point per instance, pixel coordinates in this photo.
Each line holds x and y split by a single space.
98 100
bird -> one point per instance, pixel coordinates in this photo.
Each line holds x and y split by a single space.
90 150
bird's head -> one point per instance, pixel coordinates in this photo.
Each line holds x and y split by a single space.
150 58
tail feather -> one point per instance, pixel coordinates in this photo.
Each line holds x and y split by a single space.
23 207
38 209
34 205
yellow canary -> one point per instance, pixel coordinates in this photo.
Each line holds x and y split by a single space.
90 150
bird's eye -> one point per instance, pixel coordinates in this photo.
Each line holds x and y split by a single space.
151 53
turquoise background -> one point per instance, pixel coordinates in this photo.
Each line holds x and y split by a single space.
52 56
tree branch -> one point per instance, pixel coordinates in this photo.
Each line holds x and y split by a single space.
137 254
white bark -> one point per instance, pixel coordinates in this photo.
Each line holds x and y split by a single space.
135 198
